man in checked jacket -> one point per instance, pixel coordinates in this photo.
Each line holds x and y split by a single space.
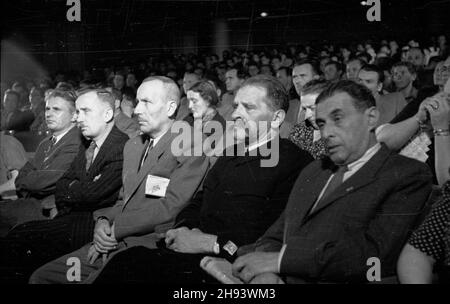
92 182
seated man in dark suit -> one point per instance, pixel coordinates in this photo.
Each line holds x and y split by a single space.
36 181
157 184
92 181
360 203
241 196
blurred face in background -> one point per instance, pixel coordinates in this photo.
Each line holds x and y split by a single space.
301 75
402 77
37 101
285 79
442 72
232 81
197 104
308 106
131 80
189 80
253 70
331 73
118 81
353 68
416 57
370 80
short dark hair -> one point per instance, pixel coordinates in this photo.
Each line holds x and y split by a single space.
411 68
241 73
103 95
376 69
287 70
361 96
313 63
336 64
277 96
315 86
207 91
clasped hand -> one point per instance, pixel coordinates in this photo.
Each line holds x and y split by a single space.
187 240
104 240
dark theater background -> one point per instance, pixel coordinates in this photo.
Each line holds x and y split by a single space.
38 32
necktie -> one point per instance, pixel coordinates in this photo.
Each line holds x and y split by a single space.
90 154
145 154
335 182
51 145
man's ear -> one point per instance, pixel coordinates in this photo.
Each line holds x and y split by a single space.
109 115
414 77
277 119
379 87
171 108
316 77
374 117
73 119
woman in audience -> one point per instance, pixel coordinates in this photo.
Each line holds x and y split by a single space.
306 134
427 251
203 99
414 136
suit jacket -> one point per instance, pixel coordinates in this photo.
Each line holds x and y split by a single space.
240 198
136 215
370 215
99 187
37 179
389 106
126 124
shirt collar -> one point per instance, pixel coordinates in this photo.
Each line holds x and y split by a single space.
58 137
99 142
354 166
155 140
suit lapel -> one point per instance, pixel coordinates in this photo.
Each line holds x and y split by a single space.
364 176
104 149
150 162
59 144
313 188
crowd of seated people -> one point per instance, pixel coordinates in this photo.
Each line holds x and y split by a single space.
360 134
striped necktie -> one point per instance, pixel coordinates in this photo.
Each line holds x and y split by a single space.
90 154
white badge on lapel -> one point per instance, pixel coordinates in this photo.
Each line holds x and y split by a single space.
156 185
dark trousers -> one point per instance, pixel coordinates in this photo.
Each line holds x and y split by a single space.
32 244
154 266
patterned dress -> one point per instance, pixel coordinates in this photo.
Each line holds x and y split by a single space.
303 136
433 236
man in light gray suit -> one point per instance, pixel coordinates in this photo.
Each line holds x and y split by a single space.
141 212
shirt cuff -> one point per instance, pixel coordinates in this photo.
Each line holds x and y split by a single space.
280 257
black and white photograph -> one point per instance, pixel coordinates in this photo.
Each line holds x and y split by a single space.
204 145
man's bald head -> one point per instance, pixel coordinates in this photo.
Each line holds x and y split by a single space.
172 92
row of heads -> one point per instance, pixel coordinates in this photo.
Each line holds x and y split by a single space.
277 97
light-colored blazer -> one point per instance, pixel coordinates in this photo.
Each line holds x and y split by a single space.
137 216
